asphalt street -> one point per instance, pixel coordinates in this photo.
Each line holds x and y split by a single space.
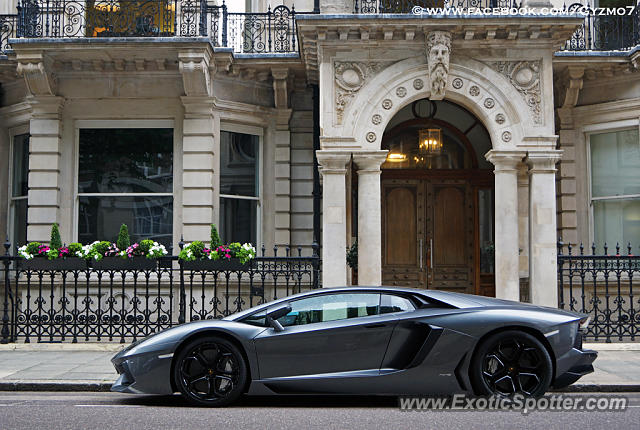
55 410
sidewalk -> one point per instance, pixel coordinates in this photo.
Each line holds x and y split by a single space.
87 367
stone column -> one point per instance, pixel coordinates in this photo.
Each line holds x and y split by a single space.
543 278
506 219
369 217
198 175
523 220
44 166
334 222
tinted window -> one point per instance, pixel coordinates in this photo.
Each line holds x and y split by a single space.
390 303
331 307
257 319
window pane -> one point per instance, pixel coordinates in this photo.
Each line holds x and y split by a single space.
238 164
20 167
615 158
19 208
331 307
238 220
131 160
616 221
391 303
147 218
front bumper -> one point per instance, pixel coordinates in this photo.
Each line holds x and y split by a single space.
579 363
148 373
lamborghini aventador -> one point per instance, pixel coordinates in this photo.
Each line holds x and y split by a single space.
359 340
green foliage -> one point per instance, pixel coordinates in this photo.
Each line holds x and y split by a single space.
32 248
352 255
193 251
52 254
145 246
56 241
123 238
74 248
215 237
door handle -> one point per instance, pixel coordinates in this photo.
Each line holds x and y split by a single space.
420 253
431 253
375 326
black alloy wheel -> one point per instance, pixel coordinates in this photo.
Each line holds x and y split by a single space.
210 372
512 362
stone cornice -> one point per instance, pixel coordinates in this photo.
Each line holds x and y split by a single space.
194 67
369 161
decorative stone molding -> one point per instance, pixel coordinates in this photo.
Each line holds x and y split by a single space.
36 70
369 161
474 91
401 92
376 119
333 162
438 52
543 161
489 103
387 104
194 67
371 137
500 118
418 84
525 77
506 136
457 83
350 77
572 80
280 90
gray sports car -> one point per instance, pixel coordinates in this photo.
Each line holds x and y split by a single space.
360 340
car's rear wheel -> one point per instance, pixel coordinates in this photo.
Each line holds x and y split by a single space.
210 371
512 362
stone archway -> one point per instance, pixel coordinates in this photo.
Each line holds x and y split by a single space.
507 97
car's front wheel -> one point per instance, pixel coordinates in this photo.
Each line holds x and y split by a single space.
512 362
210 371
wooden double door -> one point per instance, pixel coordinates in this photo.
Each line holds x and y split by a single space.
430 235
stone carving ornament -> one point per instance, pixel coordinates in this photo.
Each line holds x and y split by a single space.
500 119
438 51
371 137
525 77
350 77
387 104
418 84
457 83
376 119
401 92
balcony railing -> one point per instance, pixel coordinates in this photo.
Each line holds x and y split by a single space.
269 32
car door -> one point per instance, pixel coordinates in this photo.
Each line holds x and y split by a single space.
326 333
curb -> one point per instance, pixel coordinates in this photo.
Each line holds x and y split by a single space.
93 386
599 388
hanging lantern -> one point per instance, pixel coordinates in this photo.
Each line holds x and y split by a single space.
430 141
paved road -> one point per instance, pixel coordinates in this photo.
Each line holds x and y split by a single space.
111 410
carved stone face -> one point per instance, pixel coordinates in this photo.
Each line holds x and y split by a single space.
439 57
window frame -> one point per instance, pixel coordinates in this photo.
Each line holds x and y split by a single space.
254 131
589 131
123 124
13 133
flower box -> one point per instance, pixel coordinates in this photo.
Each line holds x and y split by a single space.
221 265
58 264
119 263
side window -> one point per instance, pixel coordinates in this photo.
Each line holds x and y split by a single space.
331 307
390 303
257 319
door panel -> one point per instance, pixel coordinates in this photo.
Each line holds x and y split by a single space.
450 229
403 232
326 347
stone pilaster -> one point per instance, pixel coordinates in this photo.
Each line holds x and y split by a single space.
334 222
369 216
201 129
523 219
44 166
282 157
543 282
506 222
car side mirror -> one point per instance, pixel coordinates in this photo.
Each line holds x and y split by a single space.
277 312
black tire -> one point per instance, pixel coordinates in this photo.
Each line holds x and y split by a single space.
210 371
511 362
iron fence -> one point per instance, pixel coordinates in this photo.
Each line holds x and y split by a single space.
602 286
8 25
605 32
107 304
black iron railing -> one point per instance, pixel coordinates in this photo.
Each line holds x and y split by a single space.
91 304
8 26
601 285
605 33
424 6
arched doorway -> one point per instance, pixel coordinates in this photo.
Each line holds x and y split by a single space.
437 200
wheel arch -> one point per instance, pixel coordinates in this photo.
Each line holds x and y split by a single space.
205 333
526 329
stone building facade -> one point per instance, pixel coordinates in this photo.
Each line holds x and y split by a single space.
246 137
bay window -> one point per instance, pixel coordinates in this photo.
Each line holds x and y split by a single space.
239 187
615 187
19 189
125 176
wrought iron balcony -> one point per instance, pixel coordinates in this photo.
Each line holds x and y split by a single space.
269 32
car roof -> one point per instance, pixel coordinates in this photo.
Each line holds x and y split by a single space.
331 290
